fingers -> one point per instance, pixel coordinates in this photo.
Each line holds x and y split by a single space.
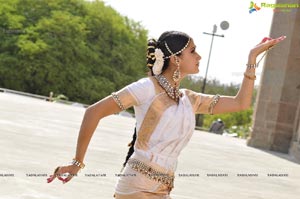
265 39
279 39
52 177
65 171
269 42
68 178
60 172
276 41
266 44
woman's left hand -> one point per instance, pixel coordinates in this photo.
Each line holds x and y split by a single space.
264 45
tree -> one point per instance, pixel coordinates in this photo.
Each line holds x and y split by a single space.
84 50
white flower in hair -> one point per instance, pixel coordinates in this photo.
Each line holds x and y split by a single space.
159 61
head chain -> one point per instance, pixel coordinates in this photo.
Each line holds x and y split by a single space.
178 52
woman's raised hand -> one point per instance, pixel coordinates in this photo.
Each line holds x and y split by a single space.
264 45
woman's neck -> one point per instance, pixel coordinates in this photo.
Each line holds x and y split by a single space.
169 76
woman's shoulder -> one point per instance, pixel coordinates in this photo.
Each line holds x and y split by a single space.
143 83
142 89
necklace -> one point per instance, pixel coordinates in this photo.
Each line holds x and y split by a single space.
173 92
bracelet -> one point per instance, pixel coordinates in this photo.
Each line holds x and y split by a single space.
256 65
251 77
250 73
252 66
78 163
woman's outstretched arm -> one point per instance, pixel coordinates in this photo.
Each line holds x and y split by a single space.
243 98
92 116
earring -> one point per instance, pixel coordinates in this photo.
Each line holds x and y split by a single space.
176 74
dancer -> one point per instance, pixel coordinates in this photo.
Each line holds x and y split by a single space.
165 115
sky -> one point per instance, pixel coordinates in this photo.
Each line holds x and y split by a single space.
229 53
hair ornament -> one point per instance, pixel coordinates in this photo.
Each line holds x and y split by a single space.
178 52
159 61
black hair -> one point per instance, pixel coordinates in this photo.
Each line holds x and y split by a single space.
175 40
131 148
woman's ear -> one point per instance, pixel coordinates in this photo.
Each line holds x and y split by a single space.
175 60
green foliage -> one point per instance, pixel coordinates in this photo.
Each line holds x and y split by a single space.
84 50
238 122
212 86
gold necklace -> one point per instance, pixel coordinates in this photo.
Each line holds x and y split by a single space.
173 92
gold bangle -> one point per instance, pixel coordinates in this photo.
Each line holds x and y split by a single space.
78 163
252 77
249 66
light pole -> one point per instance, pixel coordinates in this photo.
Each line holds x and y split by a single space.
224 26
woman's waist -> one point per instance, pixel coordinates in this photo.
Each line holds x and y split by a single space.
164 163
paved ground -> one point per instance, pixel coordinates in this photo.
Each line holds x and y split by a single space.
37 135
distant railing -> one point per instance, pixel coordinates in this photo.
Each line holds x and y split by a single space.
46 98
200 128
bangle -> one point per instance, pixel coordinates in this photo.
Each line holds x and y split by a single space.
252 65
251 77
250 73
78 163
256 65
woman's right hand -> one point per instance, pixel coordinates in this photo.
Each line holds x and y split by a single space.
64 173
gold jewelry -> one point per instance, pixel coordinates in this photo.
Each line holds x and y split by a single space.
256 65
178 52
172 92
213 103
117 100
78 163
251 77
252 66
176 74
151 173
250 73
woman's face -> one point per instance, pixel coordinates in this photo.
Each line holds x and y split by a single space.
189 60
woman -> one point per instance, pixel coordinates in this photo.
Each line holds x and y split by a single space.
165 115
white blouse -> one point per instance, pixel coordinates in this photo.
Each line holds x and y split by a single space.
168 126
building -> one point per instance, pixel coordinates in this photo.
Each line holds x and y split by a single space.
276 119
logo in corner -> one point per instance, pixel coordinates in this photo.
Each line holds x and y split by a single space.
253 7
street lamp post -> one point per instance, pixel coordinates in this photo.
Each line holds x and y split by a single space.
213 34
224 26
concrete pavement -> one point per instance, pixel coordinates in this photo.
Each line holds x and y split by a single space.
36 136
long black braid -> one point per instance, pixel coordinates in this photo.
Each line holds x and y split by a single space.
131 148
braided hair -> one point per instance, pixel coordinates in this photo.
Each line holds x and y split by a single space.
176 41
